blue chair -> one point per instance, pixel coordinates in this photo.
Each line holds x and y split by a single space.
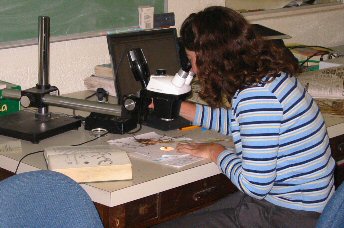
333 213
45 199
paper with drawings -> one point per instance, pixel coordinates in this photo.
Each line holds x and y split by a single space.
11 147
156 148
81 156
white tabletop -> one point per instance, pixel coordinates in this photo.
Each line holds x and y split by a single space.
148 177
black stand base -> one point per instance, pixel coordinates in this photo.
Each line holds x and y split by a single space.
24 125
157 123
113 124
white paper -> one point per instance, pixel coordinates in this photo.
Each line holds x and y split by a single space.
325 65
327 83
148 147
11 147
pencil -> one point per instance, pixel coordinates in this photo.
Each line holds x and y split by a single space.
188 128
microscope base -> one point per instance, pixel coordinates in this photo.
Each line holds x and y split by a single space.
23 125
113 124
157 123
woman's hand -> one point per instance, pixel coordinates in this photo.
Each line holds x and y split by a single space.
204 150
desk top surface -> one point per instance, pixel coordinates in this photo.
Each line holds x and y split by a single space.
148 177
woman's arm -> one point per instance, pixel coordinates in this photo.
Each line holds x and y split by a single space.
216 119
188 110
207 150
204 150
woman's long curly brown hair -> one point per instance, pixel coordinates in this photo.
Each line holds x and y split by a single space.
230 55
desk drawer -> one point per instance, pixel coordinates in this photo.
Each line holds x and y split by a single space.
141 211
137 213
337 147
195 195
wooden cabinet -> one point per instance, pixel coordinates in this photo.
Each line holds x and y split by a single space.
163 206
168 204
193 196
5 173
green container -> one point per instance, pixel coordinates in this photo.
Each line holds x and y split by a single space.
310 65
8 106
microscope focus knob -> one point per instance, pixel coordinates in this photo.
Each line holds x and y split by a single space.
130 103
25 101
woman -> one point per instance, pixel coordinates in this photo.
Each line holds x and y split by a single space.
281 162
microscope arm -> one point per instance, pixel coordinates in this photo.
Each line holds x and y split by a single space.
72 103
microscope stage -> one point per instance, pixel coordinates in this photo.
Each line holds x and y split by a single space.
157 123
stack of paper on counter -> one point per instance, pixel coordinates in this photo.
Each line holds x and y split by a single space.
327 83
89 163
103 70
156 148
102 78
94 82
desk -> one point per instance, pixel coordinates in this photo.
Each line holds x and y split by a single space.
156 193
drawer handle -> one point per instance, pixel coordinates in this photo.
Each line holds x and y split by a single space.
340 147
201 194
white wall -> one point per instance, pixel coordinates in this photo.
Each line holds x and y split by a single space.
315 25
182 8
72 61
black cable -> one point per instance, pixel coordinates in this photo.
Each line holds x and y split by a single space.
88 97
36 152
41 151
102 135
326 51
309 57
310 46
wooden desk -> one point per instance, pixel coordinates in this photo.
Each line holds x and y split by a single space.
156 193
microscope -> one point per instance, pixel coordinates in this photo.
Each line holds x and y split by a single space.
166 92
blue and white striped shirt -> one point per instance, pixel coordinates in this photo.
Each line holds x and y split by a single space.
282 152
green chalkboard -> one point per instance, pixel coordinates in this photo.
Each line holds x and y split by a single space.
19 18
